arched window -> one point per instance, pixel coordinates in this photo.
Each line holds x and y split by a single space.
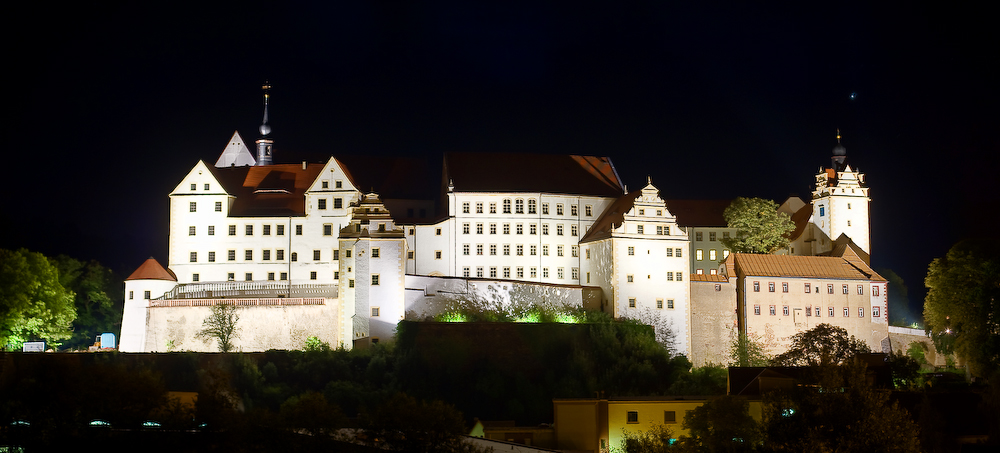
295 256
531 206
506 206
519 206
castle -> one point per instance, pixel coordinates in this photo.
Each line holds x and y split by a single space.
344 250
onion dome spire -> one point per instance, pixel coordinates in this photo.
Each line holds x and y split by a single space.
264 144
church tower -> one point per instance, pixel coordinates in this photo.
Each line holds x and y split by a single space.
841 202
265 144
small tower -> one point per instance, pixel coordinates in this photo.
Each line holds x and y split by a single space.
841 202
265 144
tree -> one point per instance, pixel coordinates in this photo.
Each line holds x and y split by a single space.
221 326
33 304
98 298
748 350
657 440
402 423
820 346
723 424
760 227
962 307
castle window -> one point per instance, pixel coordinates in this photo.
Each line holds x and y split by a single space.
588 277
232 255
711 255
756 309
506 206
772 311
493 250
338 203
194 257
412 230
326 184
479 272
534 272
465 249
848 223
506 272
284 276
632 416
861 290
211 257
559 230
725 254
631 302
531 206
874 290
298 230
479 228
321 203
465 229
631 251
267 255
845 289
829 290
534 250
479 208
211 230
316 255
194 186
545 272
588 210
533 229
770 287
559 250
465 272
559 273
336 255
131 294
784 287
677 253
875 311
573 210
576 273
559 209
519 206
817 312
642 212
670 276
191 230
279 254
249 230
374 279
437 254
670 304
520 228
575 251
628 278
267 230
718 287
493 272
699 255
248 276
338 184
756 287
479 249
506 250
545 209
670 252
218 206
465 207
193 206
506 228
697 236
545 250
725 235
807 288
270 276
861 312
409 254
493 208
847 312
711 236
639 229
848 204
784 310
520 272
680 276
145 295
822 211
248 255
375 312
808 310
231 277
659 303
587 253
375 252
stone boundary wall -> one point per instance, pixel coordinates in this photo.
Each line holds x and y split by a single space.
901 337
261 327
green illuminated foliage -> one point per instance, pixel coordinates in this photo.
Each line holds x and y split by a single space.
33 303
822 345
962 307
760 227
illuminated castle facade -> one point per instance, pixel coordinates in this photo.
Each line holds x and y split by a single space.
343 250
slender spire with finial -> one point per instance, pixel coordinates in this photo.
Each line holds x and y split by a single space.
264 144
838 129
839 154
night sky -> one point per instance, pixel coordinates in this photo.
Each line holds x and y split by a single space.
113 104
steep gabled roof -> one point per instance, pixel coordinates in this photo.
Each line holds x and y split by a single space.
801 221
517 172
152 270
803 266
699 213
236 153
611 218
268 190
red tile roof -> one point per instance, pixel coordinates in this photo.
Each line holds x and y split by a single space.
517 172
152 270
611 218
802 266
268 190
801 221
708 278
699 213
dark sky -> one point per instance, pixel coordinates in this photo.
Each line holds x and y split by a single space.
114 103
